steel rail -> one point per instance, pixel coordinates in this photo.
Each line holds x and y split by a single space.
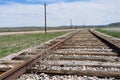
18 70
114 46
89 72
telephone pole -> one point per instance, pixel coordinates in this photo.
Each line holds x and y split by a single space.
45 18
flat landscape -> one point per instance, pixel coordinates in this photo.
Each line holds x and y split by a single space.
59 40
14 43
115 32
5 32
71 55
113 29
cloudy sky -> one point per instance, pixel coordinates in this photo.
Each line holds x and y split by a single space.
16 13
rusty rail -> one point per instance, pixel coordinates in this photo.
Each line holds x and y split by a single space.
15 72
107 41
18 70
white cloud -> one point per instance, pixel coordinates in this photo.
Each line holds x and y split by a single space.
93 12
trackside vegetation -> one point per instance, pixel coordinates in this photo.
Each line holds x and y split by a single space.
14 43
109 32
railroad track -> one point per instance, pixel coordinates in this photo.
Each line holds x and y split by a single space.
82 55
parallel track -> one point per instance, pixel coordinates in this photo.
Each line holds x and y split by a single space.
80 53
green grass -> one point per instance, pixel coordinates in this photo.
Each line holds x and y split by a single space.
14 43
111 33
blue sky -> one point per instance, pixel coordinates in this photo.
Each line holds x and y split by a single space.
36 1
16 13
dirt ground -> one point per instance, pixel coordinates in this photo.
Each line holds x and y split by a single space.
30 32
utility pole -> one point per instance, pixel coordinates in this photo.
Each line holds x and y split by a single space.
45 18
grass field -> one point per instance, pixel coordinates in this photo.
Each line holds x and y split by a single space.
20 29
110 32
15 43
116 29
